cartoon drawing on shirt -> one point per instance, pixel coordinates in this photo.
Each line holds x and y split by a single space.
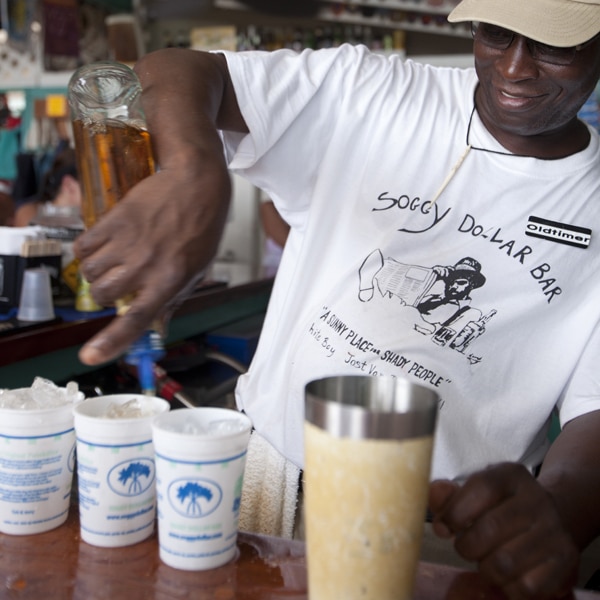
441 295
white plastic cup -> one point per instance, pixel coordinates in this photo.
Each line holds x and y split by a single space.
199 476
35 302
37 459
116 471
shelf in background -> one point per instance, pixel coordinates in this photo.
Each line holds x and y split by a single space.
395 14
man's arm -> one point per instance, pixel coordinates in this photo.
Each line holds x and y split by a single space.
571 474
525 533
167 229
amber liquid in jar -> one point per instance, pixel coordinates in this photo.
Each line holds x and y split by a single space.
112 157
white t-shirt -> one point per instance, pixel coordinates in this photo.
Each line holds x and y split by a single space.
375 279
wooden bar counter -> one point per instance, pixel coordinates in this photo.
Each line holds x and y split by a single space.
57 565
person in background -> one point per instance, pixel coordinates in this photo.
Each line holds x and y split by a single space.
60 188
7 205
368 155
4 110
7 119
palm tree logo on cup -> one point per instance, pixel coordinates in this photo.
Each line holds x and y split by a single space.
132 477
195 498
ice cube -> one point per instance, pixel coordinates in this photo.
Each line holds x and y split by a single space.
72 392
46 394
194 426
19 399
225 426
43 393
188 427
132 409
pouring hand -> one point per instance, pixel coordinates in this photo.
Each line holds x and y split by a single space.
153 245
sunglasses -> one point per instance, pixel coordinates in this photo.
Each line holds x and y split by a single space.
499 38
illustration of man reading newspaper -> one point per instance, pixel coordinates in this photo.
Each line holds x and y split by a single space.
441 295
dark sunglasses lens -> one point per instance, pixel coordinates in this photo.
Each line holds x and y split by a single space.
553 54
500 39
494 36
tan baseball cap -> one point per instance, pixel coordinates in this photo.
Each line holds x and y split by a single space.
560 23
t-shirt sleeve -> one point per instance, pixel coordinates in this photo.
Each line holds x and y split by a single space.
293 104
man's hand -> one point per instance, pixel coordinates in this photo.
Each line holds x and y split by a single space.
152 245
504 520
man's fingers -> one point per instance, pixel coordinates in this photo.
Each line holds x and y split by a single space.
483 492
493 528
440 493
94 238
115 339
538 576
506 522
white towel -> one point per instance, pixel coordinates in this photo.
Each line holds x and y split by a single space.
270 491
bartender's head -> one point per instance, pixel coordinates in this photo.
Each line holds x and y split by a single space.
538 61
566 24
556 23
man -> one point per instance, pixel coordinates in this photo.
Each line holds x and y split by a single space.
446 304
428 165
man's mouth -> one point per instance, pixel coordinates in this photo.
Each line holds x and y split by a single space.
517 101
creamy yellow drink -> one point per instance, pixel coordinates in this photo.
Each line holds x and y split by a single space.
365 503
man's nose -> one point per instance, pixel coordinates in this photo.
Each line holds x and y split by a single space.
517 62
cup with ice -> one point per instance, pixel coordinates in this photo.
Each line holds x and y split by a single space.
200 459
37 456
116 468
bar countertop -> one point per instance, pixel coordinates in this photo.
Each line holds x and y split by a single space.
58 565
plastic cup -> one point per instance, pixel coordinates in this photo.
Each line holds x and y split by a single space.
116 470
35 303
200 460
37 459
368 446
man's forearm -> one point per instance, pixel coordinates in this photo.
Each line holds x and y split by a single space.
186 96
571 474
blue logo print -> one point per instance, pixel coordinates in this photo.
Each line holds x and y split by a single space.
131 477
194 498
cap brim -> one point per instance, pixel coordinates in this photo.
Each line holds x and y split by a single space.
554 22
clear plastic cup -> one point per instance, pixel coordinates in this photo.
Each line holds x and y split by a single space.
35 302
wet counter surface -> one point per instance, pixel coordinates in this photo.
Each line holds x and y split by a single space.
57 565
